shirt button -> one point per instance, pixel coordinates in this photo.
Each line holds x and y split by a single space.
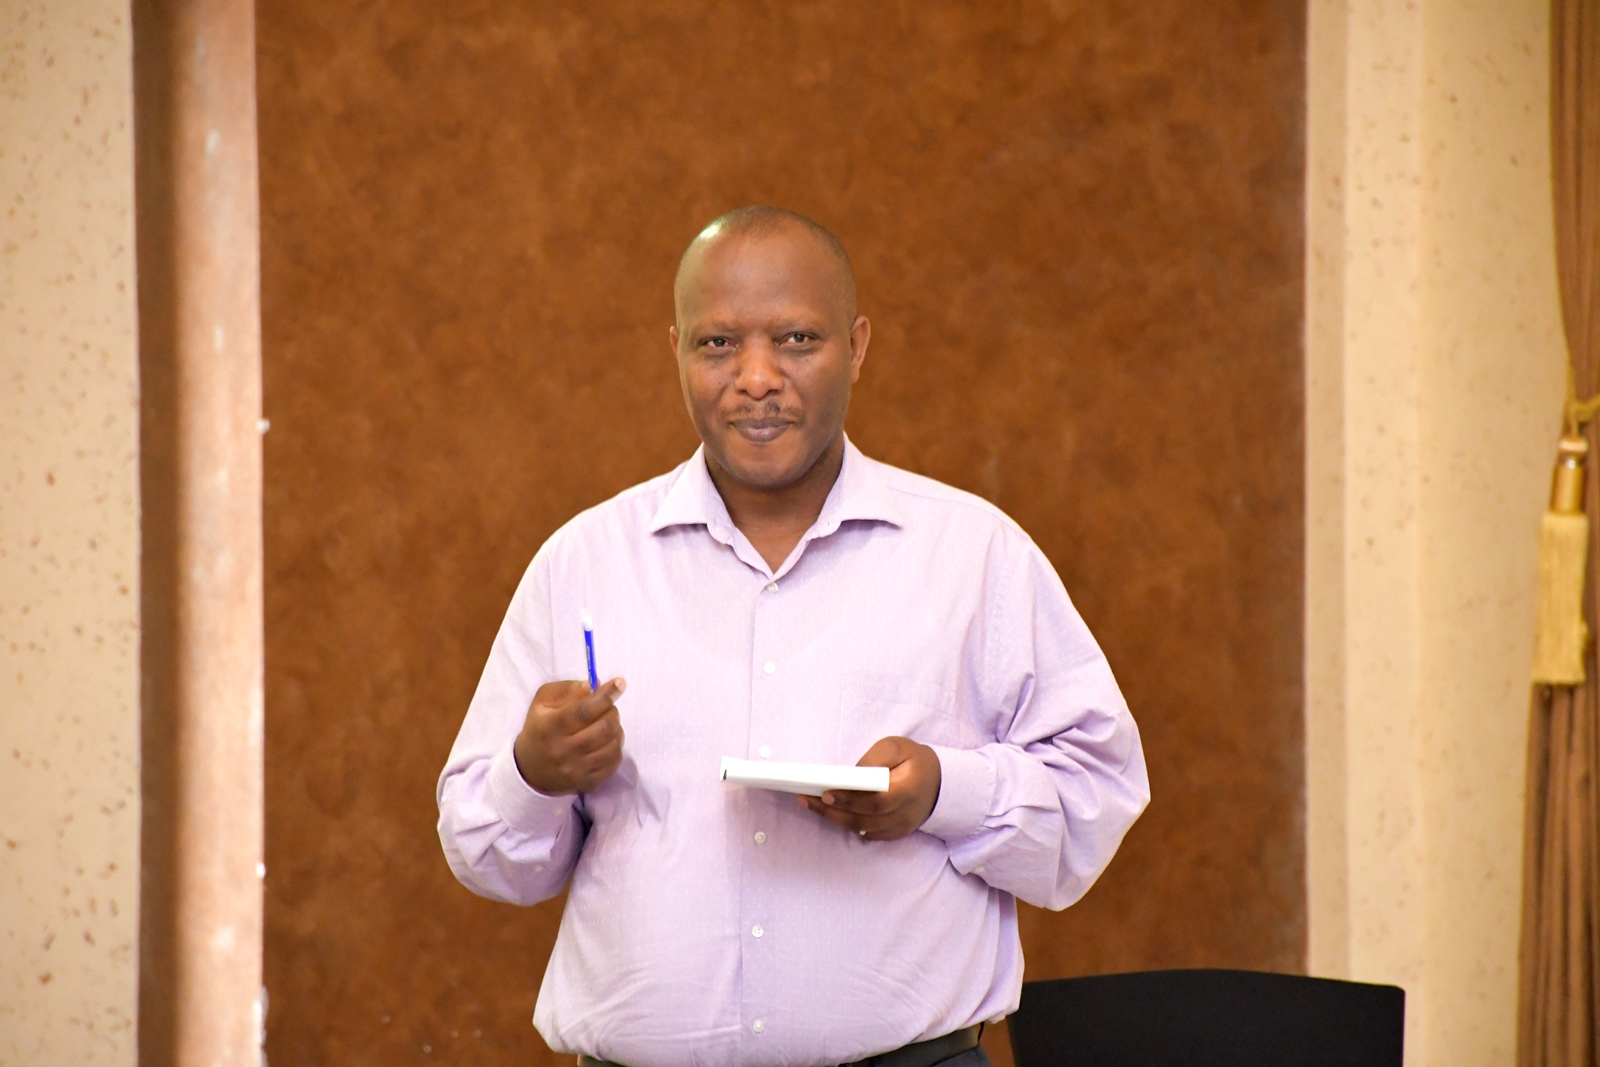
761 838
765 751
769 666
759 1026
772 587
978 869
756 931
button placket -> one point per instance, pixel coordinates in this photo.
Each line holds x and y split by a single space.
762 982
766 692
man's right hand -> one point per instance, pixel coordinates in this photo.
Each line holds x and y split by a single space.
572 739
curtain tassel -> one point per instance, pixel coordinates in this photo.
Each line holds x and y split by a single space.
1560 640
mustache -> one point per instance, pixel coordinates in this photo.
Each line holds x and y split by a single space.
764 413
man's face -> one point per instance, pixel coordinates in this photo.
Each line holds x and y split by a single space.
768 348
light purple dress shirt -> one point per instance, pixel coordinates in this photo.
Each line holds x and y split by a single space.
718 925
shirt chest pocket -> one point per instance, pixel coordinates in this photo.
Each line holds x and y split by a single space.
875 706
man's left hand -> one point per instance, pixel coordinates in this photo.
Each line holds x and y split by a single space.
913 791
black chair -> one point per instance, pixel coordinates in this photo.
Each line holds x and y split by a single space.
1208 1019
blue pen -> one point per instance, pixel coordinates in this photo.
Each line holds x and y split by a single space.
588 648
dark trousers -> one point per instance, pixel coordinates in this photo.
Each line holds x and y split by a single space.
973 1057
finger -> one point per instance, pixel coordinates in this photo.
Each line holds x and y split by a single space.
861 803
596 704
560 693
574 755
848 820
603 731
885 832
872 827
555 697
599 765
887 752
555 702
587 706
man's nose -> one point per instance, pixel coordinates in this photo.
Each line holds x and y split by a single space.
758 371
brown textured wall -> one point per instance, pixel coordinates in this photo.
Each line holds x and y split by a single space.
1078 230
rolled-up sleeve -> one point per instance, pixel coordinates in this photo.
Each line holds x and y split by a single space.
503 839
1040 809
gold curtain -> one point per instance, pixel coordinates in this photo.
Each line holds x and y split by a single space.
1559 1010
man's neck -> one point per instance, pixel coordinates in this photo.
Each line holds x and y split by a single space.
774 520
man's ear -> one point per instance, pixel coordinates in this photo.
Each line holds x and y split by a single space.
860 337
672 335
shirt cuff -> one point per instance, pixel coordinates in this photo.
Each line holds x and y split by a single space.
966 784
519 804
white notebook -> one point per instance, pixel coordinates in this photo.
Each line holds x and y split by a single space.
812 779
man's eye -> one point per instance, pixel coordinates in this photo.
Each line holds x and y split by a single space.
798 338
715 342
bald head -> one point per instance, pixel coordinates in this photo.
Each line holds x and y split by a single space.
763 221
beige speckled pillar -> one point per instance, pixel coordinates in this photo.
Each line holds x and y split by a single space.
200 380
69 538
1434 380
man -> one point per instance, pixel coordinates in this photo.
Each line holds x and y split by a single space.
781 596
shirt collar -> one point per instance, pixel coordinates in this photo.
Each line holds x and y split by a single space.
859 494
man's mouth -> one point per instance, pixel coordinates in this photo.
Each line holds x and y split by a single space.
761 430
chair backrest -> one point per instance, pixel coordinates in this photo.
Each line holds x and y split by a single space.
1208 1018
